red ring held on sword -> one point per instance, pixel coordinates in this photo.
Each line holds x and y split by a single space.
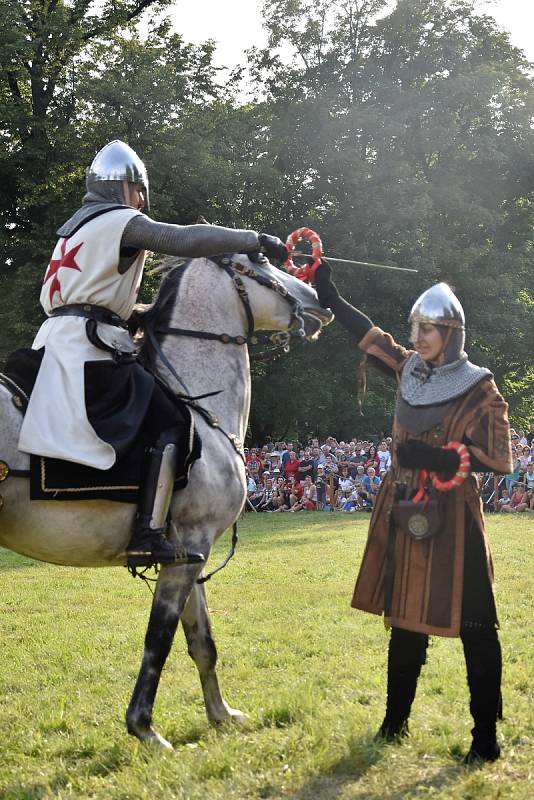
307 272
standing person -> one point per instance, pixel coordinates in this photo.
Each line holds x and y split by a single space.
91 396
292 465
385 456
449 420
306 465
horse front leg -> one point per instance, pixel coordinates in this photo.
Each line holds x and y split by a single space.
201 647
173 586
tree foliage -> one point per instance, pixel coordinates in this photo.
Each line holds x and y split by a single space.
402 139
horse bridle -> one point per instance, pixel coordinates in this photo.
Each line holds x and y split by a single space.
280 339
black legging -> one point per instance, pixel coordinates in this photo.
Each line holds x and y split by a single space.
482 650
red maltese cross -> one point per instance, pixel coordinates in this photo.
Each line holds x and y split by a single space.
66 260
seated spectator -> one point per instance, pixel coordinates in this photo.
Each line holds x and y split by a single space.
528 477
517 499
351 501
308 498
526 503
251 483
295 491
344 483
503 501
267 502
371 485
281 495
257 497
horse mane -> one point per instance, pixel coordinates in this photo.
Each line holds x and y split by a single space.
158 313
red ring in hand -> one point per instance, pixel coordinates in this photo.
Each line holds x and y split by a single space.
307 272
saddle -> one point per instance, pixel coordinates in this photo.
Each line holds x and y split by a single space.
56 479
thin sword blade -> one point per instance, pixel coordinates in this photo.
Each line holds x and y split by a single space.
357 263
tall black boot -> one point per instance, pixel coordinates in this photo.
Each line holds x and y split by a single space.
406 656
483 660
148 544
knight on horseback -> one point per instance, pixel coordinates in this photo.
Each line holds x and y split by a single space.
92 397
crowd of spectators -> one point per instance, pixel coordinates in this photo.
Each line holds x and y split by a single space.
333 476
346 476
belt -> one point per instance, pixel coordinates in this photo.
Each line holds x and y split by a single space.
98 313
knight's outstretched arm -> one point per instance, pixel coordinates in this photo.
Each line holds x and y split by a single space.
191 241
357 323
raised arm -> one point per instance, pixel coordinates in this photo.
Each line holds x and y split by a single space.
353 320
380 347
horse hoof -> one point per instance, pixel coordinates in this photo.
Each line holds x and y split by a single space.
232 715
149 735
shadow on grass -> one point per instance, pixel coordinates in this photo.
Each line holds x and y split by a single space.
94 763
10 561
363 754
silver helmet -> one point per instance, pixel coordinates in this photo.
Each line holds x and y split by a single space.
440 306
116 161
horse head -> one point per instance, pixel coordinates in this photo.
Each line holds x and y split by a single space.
289 305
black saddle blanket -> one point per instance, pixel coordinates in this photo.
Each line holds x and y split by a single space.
53 479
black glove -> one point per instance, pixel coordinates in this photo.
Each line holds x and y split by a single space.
326 290
273 247
351 318
419 455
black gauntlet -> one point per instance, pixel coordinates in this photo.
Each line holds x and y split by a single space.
351 318
414 454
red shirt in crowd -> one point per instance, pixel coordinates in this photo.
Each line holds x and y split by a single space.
292 467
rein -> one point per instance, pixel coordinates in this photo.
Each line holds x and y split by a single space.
281 339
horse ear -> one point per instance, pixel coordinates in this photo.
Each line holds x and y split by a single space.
202 220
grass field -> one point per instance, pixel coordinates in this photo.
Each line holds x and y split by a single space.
308 670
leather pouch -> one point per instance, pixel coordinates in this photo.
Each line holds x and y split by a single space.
420 520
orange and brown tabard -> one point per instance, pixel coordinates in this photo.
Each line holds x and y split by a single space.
428 584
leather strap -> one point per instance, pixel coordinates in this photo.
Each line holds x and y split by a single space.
98 313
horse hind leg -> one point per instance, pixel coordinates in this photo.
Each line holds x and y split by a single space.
173 587
201 647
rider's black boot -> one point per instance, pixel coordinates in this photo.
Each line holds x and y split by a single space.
149 544
483 659
406 656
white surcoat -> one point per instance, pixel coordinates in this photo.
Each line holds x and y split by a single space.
83 269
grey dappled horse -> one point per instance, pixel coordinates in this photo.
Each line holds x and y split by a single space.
231 296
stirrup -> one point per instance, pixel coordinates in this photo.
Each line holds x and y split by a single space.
147 558
151 547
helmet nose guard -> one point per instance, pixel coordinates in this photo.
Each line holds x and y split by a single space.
116 161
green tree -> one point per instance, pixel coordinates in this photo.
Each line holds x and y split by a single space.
409 139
